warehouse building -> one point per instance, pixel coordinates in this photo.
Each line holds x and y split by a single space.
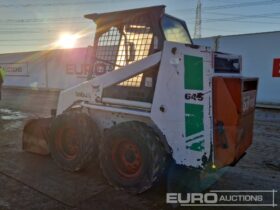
50 70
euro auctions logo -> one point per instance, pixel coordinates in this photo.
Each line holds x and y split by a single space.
191 198
224 198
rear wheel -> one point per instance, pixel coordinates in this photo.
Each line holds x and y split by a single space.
73 140
131 156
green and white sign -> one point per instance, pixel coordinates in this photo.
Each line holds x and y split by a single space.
195 102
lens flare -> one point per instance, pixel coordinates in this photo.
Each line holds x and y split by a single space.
67 40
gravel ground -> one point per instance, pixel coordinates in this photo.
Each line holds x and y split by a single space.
258 170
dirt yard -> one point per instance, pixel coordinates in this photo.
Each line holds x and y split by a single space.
30 181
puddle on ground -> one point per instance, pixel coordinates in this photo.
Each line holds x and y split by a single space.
7 114
13 125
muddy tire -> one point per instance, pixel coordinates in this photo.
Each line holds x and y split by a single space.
132 157
73 141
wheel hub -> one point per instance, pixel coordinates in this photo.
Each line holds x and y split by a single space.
130 156
67 143
127 159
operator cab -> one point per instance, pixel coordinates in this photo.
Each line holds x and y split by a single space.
125 37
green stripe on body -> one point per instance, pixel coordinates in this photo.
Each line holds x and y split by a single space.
193 119
193 72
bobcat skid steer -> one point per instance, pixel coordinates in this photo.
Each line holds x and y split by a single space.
151 95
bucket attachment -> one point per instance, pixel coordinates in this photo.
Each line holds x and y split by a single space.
35 136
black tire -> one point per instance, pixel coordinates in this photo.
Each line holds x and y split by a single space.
132 157
73 140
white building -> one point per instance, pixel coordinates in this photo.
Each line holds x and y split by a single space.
52 70
260 56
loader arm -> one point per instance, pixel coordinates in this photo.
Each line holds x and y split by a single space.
91 90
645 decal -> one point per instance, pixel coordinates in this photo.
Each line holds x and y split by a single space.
194 96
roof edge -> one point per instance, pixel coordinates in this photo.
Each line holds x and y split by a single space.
95 16
245 34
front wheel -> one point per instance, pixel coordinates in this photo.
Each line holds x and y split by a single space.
73 140
131 156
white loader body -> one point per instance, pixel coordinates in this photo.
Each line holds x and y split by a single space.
181 107
153 101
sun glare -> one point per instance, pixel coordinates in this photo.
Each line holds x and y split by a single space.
67 40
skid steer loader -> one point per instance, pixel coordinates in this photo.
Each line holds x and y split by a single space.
151 95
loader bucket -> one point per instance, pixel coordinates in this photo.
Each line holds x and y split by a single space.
35 136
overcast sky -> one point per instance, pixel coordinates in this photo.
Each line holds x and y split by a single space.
28 25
